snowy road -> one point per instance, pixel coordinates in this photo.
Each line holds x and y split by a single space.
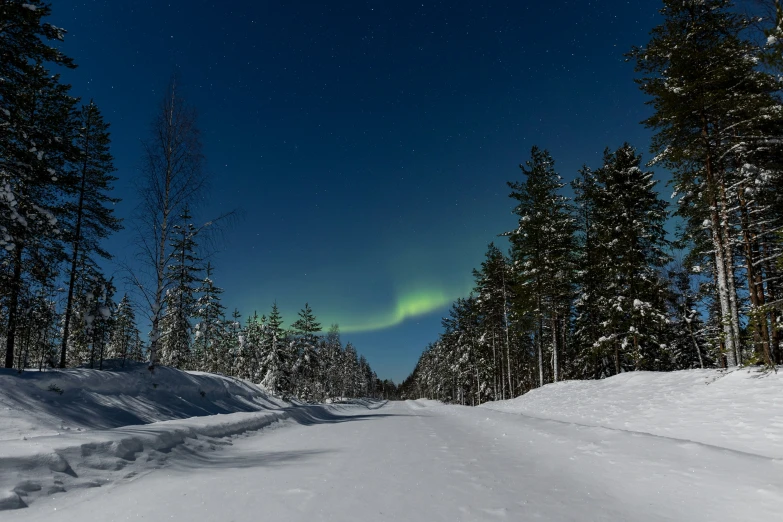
419 461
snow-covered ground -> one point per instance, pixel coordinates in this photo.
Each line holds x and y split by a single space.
420 460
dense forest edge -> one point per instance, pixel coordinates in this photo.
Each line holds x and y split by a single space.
593 286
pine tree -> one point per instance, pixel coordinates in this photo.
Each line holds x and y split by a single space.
589 311
773 50
93 318
36 117
494 295
715 111
460 339
367 376
92 213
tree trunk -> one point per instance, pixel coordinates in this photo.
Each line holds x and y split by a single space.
696 344
74 257
540 345
755 282
505 325
719 245
729 260
494 366
555 362
13 306
563 348
774 312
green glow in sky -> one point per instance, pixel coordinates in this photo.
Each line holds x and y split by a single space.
409 304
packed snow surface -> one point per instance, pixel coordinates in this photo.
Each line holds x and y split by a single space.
413 460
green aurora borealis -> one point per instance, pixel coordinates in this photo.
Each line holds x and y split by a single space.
408 305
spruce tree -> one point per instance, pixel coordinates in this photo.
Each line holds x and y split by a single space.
103 323
138 352
251 348
350 371
180 302
307 364
79 339
331 359
629 227
542 250
124 334
37 330
234 340
209 343
276 364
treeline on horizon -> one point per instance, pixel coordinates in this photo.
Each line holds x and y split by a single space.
57 306
591 286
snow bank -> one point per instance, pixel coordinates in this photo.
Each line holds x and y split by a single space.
740 410
47 403
68 429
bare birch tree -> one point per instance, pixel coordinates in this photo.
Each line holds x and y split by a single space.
173 177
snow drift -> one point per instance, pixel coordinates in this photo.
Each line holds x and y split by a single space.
740 410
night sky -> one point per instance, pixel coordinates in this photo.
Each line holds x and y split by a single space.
367 142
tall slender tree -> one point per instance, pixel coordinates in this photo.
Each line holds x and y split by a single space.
494 295
92 213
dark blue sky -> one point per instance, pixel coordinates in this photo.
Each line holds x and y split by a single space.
368 142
